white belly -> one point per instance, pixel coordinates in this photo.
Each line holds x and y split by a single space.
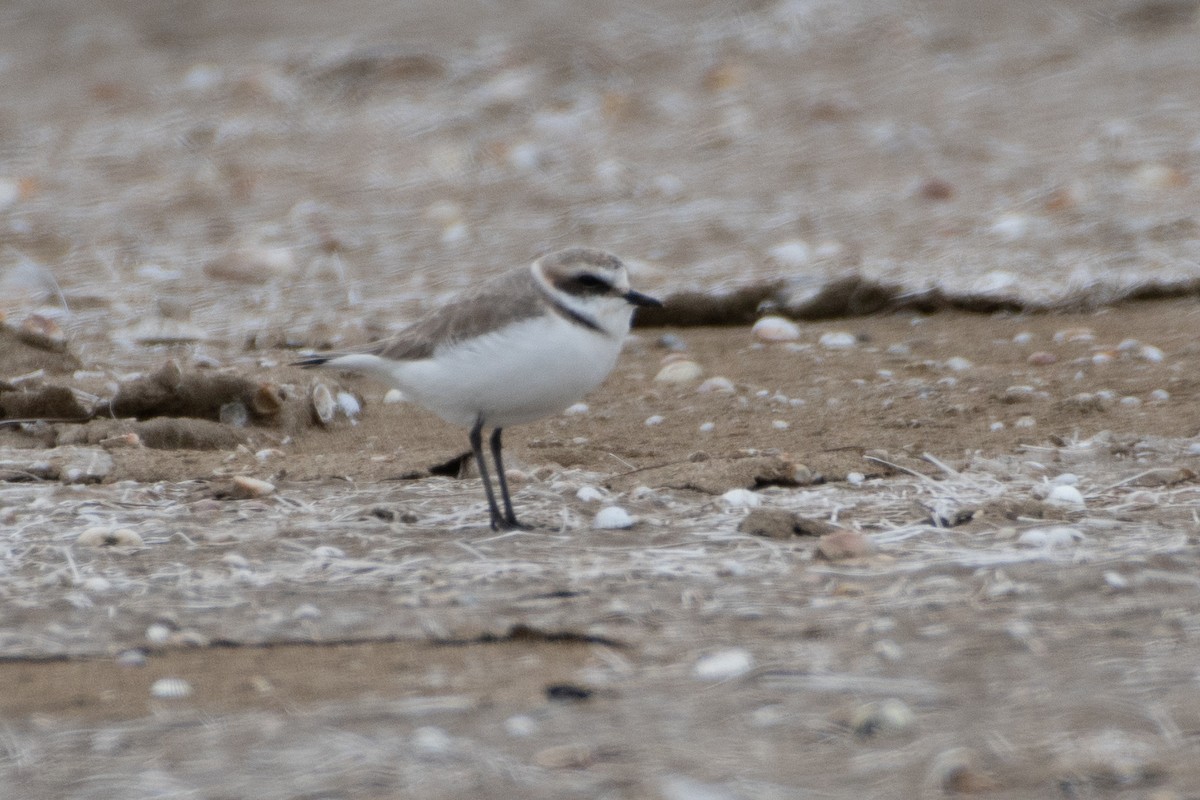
529 370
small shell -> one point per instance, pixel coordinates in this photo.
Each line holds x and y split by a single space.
109 537
1065 495
613 518
716 384
393 396
838 340
679 372
323 404
348 404
775 329
589 494
724 665
245 487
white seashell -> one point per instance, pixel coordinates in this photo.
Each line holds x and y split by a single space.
170 688
1151 353
577 409
741 498
158 633
589 494
348 404
724 665
109 537
838 340
679 372
393 396
775 329
654 419
612 518
1065 495
716 384
792 254
323 404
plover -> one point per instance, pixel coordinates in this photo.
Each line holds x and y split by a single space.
522 346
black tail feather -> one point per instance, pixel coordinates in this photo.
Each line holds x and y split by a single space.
310 361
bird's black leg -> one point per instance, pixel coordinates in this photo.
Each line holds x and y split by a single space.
510 518
476 439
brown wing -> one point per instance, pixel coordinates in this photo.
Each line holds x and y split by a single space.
512 295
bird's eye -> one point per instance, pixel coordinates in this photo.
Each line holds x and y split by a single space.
591 282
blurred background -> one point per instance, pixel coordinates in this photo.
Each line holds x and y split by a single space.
292 167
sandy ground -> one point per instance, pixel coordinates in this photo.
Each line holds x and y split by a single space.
189 195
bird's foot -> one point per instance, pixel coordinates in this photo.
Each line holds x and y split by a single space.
509 524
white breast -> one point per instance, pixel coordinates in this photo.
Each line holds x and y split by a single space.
517 374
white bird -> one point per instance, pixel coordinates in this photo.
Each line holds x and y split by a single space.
522 346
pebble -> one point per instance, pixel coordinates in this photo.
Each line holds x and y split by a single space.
109 537
838 340
1052 538
855 478
159 633
888 717
954 772
1042 359
613 518
1065 495
245 488
741 498
1025 422
565 756
843 544
716 385
670 341
1156 176
42 332
133 657
577 409
887 650
234 414
707 427
1131 402
1011 227
589 494
521 725
679 372
654 419
348 404
1074 335
1115 580
724 665
432 741
393 396
1024 337
170 688
323 404
792 254
1160 395
1151 353
780 425
775 329
958 364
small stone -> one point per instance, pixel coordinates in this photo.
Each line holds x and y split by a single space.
1042 359
838 340
589 494
1074 335
245 488
843 544
958 364
1115 580
234 414
775 329
521 725
669 341
1160 396
430 740
679 372
323 405
716 385
954 771
889 717
170 688
1151 353
267 400
1024 337
724 665
741 498
576 410
42 332
855 478
707 427
393 396
1025 422
1065 495
1011 227
109 537
131 658
653 420
772 523
792 254
613 518
1156 176
780 425
348 404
